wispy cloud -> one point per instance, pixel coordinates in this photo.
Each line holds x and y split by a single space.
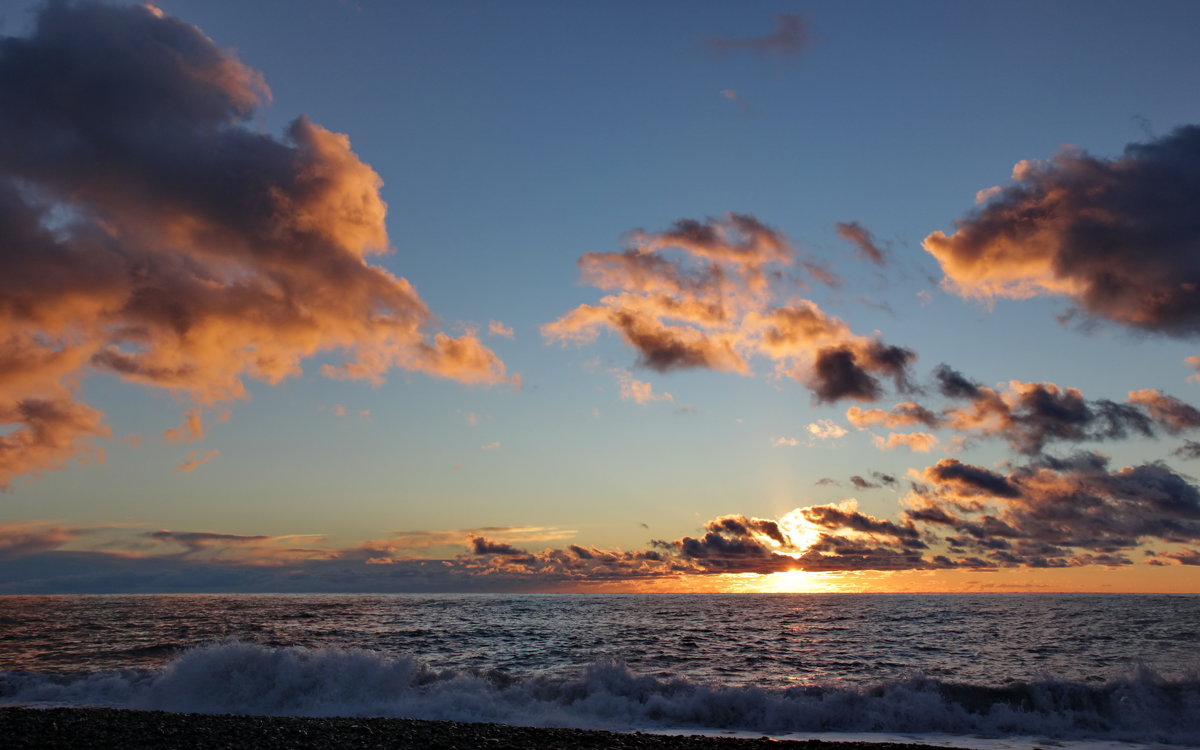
789 39
195 460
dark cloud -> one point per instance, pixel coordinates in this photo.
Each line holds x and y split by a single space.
953 384
970 481
1189 450
790 39
847 372
1030 415
1057 512
858 235
1119 237
863 484
834 517
484 546
150 231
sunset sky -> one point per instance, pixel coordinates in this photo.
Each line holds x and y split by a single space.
672 296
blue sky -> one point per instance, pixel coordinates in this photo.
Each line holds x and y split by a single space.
513 138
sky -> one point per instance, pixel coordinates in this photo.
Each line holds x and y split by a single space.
543 296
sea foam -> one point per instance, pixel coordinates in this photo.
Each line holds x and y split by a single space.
246 678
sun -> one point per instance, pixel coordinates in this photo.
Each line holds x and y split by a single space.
785 582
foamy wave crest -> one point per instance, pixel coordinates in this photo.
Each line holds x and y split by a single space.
245 678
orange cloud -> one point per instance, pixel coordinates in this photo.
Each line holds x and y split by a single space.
496 328
191 430
918 442
702 295
1116 236
906 414
200 254
639 391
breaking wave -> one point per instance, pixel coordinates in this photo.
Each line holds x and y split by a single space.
245 678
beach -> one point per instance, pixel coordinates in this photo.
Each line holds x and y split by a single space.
122 728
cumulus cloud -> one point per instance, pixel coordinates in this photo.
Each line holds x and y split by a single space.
785 442
149 231
1057 512
905 414
918 442
1049 513
859 236
1117 237
1031 415
496 328
826 429
789 39
52 430
703 295
639 391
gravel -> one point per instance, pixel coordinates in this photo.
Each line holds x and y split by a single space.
100 728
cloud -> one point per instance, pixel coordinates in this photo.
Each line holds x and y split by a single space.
826 429
1189 450
1031 415
785 442
862 483
195 460
1049 513
859 236
484 546
24 538
735 97
639 391
1115 236
703 295
1194 363
1168 412
1057 512
906 414
242 549
918 442
493 446
150 231
192 428
52 431
789 39
496 328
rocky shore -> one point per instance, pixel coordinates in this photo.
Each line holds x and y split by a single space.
101 728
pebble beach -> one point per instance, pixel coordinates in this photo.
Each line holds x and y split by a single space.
100 728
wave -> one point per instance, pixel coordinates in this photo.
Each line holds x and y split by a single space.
246 678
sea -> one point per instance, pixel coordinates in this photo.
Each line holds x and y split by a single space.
989 671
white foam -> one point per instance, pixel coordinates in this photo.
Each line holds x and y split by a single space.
243 678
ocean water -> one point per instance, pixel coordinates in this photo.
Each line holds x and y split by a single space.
988 671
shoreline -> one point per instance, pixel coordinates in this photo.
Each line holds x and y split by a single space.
28 728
